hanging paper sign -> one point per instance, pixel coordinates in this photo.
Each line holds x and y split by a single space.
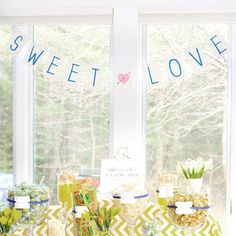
118 172
219 46
123 78
70 70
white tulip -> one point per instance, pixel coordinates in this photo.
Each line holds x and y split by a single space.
196 165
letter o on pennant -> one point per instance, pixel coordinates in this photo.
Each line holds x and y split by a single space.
174 64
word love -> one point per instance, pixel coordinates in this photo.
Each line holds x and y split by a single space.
34 57
175 66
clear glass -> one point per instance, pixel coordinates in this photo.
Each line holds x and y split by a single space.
130 212
32 202
193 218
65 185
71 120
6 112
166 182
187 117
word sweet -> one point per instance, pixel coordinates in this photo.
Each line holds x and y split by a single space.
34 57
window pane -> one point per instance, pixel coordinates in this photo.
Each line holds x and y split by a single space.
187 117
71 119
6 108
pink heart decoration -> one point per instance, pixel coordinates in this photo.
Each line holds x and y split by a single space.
123 78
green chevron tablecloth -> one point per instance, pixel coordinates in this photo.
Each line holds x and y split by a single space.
119 226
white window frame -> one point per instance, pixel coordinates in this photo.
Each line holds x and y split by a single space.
100 12
127 104
232 134
22 114
228 18
23 92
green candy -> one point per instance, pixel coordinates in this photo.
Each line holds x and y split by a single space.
37 193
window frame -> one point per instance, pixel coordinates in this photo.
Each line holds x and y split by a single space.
22 115
23 93
231 98
23 149
231 165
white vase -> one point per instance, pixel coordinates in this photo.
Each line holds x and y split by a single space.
194 185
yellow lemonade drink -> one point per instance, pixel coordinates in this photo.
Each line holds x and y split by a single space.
65 188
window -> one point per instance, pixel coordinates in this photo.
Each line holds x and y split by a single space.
71 120
6 108
187 116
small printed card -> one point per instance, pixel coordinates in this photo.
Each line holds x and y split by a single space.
22 202
184 208
117 172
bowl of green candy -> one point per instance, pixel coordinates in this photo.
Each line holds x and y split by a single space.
32 201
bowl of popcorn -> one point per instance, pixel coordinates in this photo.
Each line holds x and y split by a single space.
188 210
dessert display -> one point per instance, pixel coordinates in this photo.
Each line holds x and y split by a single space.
183 208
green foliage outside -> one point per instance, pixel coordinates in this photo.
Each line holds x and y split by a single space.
6 97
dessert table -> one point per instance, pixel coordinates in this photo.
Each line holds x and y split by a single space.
120 228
